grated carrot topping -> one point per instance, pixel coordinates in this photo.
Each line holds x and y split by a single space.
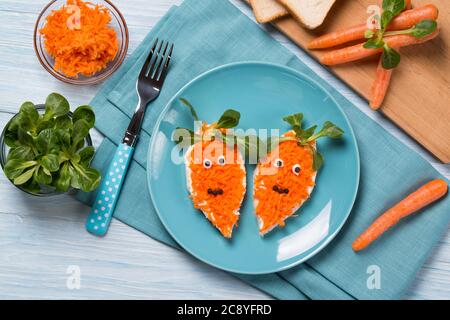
272 207
220 210
84 47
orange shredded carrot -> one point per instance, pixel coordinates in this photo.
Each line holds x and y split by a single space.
220 210
85 47
272 207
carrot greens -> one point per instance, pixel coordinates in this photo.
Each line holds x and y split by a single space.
392 8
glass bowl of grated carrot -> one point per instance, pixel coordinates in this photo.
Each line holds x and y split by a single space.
81 42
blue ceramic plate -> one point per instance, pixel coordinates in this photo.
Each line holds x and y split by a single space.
264 94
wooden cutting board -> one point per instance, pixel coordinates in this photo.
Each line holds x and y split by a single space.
419 97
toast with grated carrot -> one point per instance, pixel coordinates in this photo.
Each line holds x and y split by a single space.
215 171
285 178
283 181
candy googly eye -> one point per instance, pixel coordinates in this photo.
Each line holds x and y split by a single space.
207 163
221 160
296 169
279 163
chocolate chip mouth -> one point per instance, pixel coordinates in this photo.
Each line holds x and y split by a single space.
280 190
215 192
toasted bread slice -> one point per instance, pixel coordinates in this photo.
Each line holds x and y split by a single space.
311 13
267 10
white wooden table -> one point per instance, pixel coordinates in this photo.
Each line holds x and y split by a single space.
41 239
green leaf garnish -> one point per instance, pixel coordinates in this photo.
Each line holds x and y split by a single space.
386 18
251 146
229 119
329 130
191 108
317 160
368 34
390 58
307 136
294 120
424 28
420 30
373 44
394 6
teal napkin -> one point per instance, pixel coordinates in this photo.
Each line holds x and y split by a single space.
210 33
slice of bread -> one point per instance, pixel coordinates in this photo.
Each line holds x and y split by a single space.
311 13
267 10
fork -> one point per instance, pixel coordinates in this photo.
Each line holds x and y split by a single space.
148 87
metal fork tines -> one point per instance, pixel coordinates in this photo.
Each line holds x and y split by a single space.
149 84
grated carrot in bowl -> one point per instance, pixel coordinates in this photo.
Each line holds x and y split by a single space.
80 40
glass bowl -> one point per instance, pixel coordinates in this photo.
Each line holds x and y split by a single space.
117 23
4 150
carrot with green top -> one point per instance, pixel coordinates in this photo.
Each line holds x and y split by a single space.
417 200
358 52
382 80
404 20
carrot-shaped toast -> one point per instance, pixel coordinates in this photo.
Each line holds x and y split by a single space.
215 171
285 178
417 200
404 20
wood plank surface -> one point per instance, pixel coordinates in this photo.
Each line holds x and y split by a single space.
41 239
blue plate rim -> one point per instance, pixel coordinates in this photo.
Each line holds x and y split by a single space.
263 64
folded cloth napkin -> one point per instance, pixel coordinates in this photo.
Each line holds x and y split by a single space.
210 33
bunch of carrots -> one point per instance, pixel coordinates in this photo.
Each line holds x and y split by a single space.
400 26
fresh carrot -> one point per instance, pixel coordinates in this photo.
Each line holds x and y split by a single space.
382 80
380 85
422 197
404 20
358 51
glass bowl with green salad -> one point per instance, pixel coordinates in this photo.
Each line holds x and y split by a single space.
46 150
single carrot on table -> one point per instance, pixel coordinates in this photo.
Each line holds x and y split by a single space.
417 200
404 20
358 51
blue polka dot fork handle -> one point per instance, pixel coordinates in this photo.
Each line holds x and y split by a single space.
148 87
